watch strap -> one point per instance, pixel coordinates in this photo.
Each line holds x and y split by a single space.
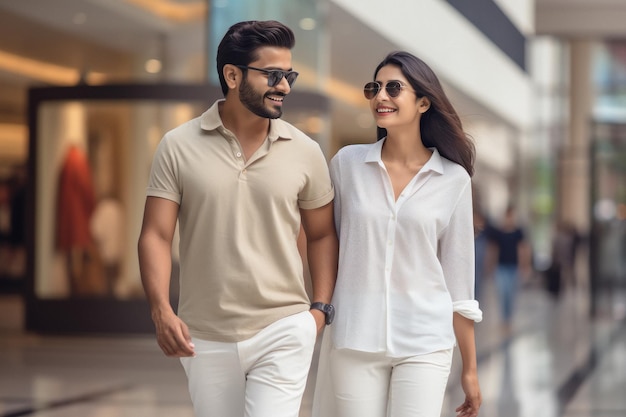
327 309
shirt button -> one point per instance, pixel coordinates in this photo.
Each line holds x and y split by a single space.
238 154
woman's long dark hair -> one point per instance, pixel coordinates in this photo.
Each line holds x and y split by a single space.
440 125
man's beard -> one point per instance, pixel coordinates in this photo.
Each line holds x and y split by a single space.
255 102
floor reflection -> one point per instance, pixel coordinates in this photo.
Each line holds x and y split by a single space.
555 363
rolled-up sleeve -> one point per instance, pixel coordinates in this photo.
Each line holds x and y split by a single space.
468 309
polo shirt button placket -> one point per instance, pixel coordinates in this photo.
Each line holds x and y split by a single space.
239 156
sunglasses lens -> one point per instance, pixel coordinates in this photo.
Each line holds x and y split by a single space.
393 88
291 77
274 78
371 90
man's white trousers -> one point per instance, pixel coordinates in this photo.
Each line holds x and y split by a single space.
263 376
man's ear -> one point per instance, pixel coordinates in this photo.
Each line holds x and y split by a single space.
231 75
424 104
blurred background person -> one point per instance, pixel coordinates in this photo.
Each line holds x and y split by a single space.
562 272
510 261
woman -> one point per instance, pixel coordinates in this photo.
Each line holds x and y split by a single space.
405 288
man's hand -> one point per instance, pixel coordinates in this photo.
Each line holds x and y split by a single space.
320 319
173 335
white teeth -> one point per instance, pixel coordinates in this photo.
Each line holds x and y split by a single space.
385 110
279 99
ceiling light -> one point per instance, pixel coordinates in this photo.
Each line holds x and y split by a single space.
153 66
307 23
172 10
44 71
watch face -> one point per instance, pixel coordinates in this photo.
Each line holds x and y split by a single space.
330 313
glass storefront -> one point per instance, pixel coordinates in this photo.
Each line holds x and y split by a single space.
92 147
92 168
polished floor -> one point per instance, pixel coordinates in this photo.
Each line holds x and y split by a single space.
555 362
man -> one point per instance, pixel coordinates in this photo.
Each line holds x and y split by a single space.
241 181
510 256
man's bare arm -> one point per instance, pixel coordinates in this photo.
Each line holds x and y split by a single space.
155 264
322 254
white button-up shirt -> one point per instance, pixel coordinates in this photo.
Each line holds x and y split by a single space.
405 265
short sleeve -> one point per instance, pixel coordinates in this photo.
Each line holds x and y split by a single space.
318 190
163 181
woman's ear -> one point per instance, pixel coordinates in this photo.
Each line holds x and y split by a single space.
231 73
423 104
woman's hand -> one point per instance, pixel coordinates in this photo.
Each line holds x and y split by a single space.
473 398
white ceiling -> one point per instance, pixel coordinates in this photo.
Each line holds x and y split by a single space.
111 33
116 24
31 27
103 35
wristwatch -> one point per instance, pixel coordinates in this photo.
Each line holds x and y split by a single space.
327 309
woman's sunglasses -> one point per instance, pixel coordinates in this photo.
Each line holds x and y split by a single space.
274 76
393 89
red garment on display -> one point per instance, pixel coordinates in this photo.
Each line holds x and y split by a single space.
75 201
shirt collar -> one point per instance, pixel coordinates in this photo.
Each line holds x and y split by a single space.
211 120
435 163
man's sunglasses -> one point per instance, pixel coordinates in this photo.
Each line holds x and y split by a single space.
274 76
393 89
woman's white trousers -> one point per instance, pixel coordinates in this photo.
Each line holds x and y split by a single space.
362 384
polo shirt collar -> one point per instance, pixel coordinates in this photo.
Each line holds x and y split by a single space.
211 120
435 163
279 130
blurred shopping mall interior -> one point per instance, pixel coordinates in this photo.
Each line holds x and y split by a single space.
540 85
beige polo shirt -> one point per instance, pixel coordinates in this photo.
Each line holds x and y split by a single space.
240 269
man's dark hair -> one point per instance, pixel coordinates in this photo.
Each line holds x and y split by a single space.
240 43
